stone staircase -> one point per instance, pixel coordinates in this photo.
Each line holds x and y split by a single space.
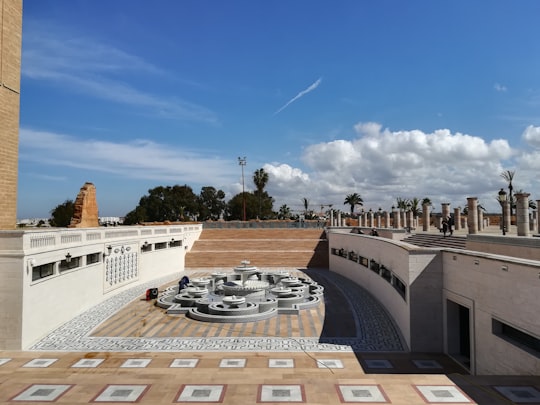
262 247
437 241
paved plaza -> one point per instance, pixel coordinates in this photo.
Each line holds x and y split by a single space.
346 351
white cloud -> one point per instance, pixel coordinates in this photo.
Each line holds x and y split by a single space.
84 66
531 135
499 87
382 165
311 87
138 159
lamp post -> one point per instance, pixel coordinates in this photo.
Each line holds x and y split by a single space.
242 163
503 201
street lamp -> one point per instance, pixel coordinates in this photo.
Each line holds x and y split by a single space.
242 162
503 201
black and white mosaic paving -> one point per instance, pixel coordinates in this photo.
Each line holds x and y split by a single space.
374 330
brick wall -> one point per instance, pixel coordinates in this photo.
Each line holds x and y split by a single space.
10 72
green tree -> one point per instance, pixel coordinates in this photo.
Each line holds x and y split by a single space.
353 200
508 175
305 204
414 204
61 214
260 178
211 203
284 212
165 203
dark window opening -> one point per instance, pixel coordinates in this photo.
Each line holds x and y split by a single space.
45 270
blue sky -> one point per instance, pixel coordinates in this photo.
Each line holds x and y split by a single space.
386 99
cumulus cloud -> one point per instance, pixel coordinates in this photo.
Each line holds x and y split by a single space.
382 165
531 135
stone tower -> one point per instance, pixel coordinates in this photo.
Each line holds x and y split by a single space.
85 210
10 77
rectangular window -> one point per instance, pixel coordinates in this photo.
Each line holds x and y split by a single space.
386 274
373 265
45 270
363 261
147 247
72 263
523 340
92 258
176 243
400 286
161 245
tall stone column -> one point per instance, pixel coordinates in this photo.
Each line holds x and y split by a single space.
410 220
445 210
404 218
10 81
457 218
371 223
339 218
425 217
522 214
378 220
480 219
472 215
386 219
395 218
331 217
538 216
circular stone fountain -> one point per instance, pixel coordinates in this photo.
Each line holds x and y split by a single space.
245 295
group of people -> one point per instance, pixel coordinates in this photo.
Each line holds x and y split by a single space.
447 225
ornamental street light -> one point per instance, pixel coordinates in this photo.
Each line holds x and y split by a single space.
242 162
503 201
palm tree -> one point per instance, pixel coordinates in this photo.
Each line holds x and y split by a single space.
353 200
415 207
305 203
260 178
508 175
401 203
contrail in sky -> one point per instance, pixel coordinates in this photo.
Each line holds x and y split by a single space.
302 93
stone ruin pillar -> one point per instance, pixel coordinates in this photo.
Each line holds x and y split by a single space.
445 210
472 214
386 219
395 218
331 217
480 218
457 218
370 216
410 220
425 217
339 218
85 209
522 214
507 223
404 218
378 220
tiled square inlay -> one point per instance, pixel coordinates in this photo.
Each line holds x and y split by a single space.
232 363
329 363
442 394
4 361
361 393
40 363
121 393
201 393
426 364
184 363
42 392
372 363
136 363
88 363
281 393
520 394
281 363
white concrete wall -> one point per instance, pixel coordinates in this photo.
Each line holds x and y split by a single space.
29 310
498 287
492 287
